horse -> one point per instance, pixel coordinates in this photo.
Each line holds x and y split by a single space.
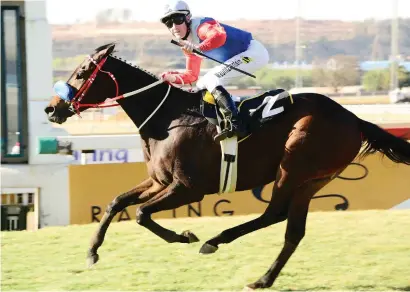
301 150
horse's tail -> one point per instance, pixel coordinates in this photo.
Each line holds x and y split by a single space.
376 139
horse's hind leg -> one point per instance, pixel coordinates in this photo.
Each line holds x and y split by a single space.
139 194
295 230
275 212
174 196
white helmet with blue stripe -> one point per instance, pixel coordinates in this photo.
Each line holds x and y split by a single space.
176 7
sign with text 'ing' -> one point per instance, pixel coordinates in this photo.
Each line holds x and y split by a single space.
374 183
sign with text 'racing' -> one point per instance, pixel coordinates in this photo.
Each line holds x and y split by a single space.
373 183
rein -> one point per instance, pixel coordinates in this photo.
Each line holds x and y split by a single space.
76 101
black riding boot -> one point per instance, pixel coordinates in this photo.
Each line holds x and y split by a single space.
231 124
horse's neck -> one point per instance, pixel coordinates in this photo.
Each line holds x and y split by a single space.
140 106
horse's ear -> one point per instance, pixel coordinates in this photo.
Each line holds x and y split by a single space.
110 49
104 51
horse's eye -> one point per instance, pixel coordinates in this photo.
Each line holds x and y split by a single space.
80 74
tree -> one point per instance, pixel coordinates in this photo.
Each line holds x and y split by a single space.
404 77
285 82
336 72
245 82
375 80
319 77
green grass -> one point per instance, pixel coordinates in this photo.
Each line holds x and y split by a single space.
367 250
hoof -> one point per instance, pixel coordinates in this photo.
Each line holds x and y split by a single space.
256 285
207 249
192 237
92 260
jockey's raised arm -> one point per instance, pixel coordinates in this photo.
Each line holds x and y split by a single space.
212 35
220 41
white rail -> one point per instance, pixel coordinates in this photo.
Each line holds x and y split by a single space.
88 144
399 109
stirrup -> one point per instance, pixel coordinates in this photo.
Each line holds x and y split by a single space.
226 132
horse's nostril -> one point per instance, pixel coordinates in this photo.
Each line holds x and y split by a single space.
50 110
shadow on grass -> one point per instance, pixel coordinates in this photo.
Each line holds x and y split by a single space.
352 288
406 288
308 289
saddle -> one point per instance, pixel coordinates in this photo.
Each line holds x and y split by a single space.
254 111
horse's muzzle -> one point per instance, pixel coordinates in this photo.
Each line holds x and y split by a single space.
51 115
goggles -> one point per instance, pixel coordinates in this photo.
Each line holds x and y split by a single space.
176 18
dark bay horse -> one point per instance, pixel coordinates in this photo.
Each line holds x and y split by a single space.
302 150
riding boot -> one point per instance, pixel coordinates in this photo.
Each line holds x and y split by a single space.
231 125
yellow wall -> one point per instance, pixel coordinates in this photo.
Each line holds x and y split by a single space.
93 187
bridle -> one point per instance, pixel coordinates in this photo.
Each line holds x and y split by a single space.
76 100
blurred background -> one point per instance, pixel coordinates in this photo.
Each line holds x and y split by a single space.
354 51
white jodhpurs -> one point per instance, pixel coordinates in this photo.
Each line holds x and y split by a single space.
254 58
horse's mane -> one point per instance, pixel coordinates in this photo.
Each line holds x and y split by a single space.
195 110
152 74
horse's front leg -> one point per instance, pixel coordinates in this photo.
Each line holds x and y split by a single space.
174 196
141 193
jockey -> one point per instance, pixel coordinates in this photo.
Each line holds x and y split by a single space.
220 41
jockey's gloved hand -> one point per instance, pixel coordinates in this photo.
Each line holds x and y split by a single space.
171 76
188 46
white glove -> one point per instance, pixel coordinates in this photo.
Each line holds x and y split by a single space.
169 77
187 46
